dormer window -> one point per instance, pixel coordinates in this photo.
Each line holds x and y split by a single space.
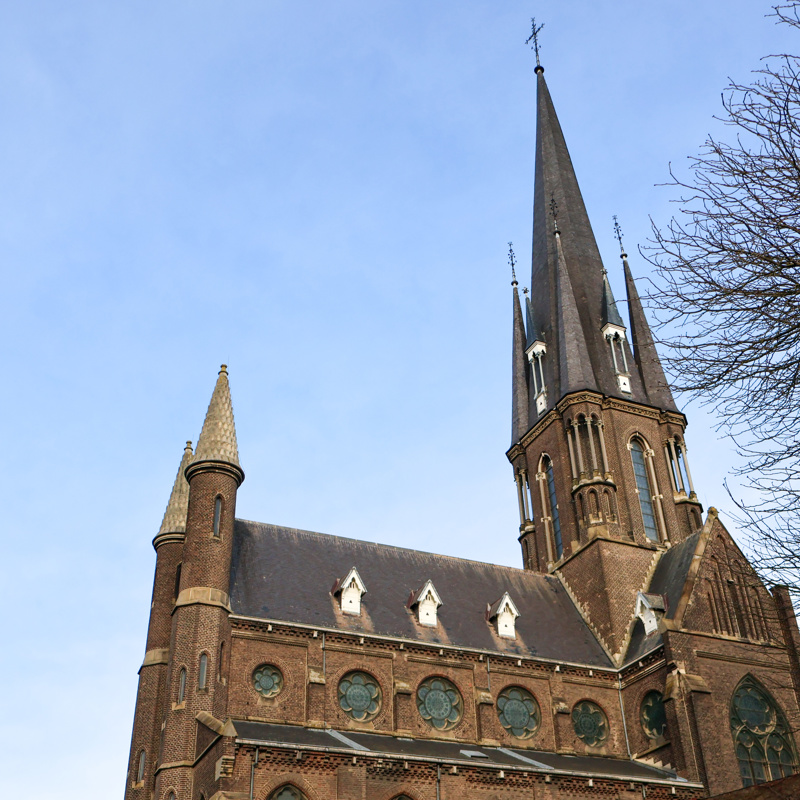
650 608
503 614
425 603
535 353
350 591
615 336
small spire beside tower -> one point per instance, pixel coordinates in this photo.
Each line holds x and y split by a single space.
217 440
175 516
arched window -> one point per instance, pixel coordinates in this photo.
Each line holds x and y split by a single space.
287 792
182 686
217 515
761 736
171 796
140 768
644 489
177 590
202 672
547 468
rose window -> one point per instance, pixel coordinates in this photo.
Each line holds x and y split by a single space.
653 716
359 696
590 723
439 703
268 680
518 712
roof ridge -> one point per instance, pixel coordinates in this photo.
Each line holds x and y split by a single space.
363 542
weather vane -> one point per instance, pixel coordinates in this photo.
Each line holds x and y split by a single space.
513 261
533 39
618 234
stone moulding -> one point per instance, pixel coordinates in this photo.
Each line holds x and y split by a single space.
204 596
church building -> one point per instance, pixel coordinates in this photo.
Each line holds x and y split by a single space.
634 654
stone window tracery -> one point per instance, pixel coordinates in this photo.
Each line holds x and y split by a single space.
641 456
439 703
761 735
590 723
653 716
267 680
360 696
518 712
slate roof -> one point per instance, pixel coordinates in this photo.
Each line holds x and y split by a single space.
668 580
353 742
285 574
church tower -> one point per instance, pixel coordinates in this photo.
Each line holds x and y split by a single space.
597 441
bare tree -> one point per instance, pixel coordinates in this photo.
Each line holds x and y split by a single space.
728 297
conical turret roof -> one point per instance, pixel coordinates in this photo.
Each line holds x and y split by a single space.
175 516
519 396
217 440
644 348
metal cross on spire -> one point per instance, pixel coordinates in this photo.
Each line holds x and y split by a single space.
618 234
513 261
533 39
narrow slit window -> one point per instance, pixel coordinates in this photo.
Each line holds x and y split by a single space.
182 686
177 589
217 515
140 769
221 657
644 489
202 671
551 491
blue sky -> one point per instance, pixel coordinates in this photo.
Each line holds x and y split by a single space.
319 195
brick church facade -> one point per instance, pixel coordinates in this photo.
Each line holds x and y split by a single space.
635 654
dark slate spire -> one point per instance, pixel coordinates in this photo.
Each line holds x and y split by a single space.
575 371
530 324
610 313
569 285
519 389
647 360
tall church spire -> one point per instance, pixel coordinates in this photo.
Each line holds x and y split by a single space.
175 516
568 278
217 440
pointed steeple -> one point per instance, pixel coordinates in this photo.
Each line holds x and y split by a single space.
650 370
217 440
610 313
568 282
175 516
519 390
574 367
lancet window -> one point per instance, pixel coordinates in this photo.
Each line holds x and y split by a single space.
217 515
287 792
761 736
675 451
550 518
202 672
140 769
642 458
536 354
615 336
587 447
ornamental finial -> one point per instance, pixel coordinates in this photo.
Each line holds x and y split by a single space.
618 234
513 261
533 41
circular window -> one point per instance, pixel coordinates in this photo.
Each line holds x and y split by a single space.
268 680
653 716
518 712
590 723
439 703
360 696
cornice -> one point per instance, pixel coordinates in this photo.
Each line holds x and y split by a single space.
223 467
168 538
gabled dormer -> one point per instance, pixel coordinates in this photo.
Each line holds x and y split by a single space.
650 609
503 615
349 590
425 604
